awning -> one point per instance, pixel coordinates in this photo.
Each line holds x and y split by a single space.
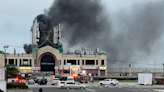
89 67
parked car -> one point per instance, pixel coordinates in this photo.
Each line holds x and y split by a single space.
42 81
115 81
108 82
55 81
31 81
69 85
61 84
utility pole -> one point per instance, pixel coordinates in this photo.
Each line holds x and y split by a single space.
5 47
154 69
163 71
59 67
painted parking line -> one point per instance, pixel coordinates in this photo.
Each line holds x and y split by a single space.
90 90
158 90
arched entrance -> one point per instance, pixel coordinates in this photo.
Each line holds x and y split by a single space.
47 61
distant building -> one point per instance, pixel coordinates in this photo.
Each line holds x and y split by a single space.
47 56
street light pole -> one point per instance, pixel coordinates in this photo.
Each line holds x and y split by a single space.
5 47
59 67
154 69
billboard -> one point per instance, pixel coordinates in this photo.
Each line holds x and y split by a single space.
34 29
56 28
2 73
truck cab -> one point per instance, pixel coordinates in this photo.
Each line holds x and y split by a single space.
70 79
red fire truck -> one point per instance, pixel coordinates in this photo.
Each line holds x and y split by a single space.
82 78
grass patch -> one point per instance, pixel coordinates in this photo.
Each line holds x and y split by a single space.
120 80
128 80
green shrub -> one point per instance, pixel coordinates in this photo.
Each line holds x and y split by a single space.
1 90
16 85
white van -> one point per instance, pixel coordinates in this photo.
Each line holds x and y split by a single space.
55 81
70 79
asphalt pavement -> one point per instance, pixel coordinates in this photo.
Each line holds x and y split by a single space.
122 87
95 89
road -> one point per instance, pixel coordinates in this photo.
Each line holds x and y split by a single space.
96 88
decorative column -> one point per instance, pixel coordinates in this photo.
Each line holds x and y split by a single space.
18 60
7 61
14 60
28 61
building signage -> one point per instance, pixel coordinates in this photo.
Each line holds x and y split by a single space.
66 67
2 73
68 63
56 67
47 63
89 67
48 49
102 67
35 68
60 67
25 68
74 67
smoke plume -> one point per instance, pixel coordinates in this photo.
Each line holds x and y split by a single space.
27 48
126 36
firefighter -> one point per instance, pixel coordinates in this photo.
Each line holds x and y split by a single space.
40 90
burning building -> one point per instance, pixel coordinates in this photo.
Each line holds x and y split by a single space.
47 56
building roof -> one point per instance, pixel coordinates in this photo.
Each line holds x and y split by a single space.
1 52
102 53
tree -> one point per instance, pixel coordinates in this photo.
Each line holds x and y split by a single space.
12 72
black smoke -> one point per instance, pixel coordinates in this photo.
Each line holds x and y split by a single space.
27 48
126 36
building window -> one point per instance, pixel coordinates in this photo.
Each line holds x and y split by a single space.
65 71
30 61
83 62
11 61
73 62
25 61
78 62
20 62
96 62
15 61
90 62
102 62
64 62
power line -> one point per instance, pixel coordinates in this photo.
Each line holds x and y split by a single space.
24 39
135 62
11 45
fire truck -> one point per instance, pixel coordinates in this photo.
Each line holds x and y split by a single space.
82 78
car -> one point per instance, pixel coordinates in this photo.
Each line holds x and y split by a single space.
55 81
108 82
69 85
70 79
115 80
42 81
31 81
61 84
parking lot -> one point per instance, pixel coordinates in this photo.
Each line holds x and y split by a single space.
123 87
96 89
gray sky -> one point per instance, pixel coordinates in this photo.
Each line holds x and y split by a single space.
17 17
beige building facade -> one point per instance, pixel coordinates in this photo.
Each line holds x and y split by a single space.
48 58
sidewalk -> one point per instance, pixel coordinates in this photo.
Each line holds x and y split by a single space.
19 90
